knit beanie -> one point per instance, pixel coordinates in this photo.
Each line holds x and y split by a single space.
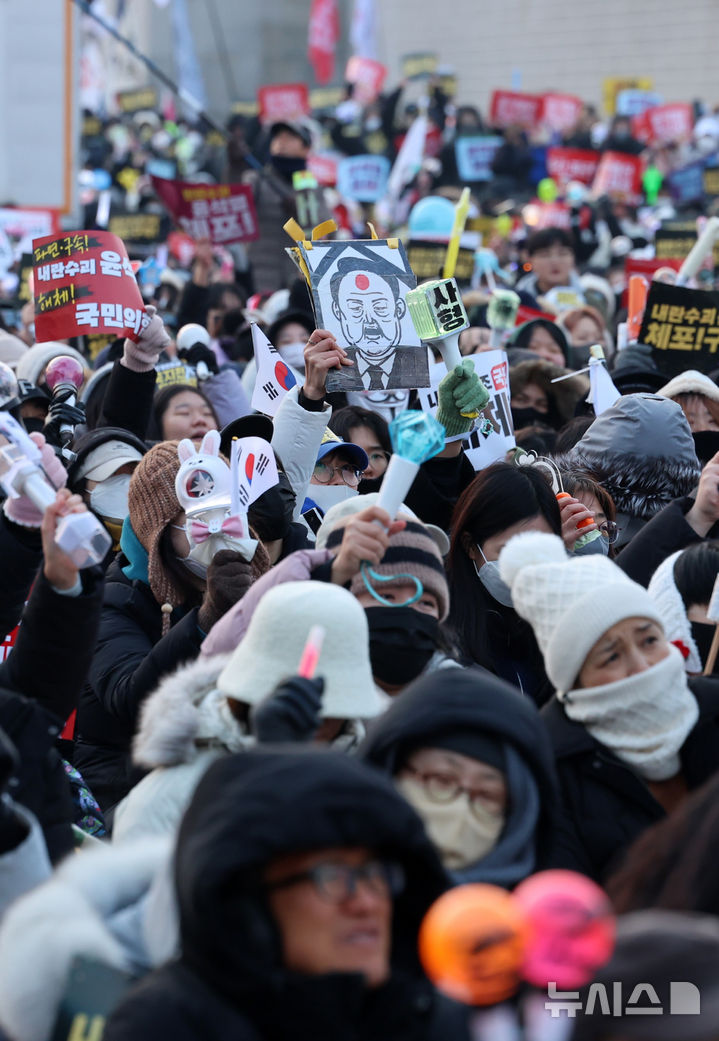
410 552
153 504
570 602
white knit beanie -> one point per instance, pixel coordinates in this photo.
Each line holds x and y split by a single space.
570 602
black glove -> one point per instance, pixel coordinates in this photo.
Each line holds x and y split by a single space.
199 352
13 829
59 414
290 713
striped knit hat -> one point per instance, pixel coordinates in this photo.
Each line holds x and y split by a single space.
410 552
153 504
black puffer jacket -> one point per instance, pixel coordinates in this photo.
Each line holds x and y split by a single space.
472 701
608 805
230 981
666 533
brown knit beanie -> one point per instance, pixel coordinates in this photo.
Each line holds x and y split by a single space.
153 504
410 552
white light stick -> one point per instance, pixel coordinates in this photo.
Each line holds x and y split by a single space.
698 252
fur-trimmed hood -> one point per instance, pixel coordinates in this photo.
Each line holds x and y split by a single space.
641 450
565 395
187 708
113 905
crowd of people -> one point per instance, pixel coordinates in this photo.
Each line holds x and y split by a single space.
201 838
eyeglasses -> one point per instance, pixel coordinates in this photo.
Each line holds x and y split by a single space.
324 473
442 789
610 531
338 882
378 460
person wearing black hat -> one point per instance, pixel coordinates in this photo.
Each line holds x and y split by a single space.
302 878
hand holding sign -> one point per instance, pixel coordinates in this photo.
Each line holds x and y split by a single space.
322 353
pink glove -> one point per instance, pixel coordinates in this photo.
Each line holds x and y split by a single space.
23 511
142 356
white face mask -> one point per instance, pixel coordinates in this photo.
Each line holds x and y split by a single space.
488 575
293 354
462 834
109 498
327 495
195 567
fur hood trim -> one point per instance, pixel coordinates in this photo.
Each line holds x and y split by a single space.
186 708
639 486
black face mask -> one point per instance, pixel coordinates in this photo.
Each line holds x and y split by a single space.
703 634
368 485
33 424
286 165
527 417
401 643
271 514
706 445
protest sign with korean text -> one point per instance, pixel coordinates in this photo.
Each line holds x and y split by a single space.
368 77
427 259
560 111
323 166
129 101
507 107
283 101
84 283
619 176
647 268
222 213
482 448
572 164
474 155
676 238
686 183
143 229
419 66
682 328
24 225
664 123
363 177
634 102
613 86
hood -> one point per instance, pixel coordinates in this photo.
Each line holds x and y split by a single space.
184 709
467 701
135 553
259 804
523 334
668 600
565 395
642 451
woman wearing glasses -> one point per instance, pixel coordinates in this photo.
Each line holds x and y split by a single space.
301 881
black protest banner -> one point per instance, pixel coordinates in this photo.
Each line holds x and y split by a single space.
682 328
427 260
675 239
130 101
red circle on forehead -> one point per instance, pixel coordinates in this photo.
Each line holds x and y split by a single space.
362 282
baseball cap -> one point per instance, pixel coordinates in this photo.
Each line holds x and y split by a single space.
245 426
332 443
293 127
106 459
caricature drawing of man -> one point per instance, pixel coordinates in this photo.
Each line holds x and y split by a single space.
367 302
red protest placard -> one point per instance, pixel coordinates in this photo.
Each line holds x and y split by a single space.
664 123
634 266
324 168
222 213
561 111
572 164
84 283
508 107
619 176
368 77
283 101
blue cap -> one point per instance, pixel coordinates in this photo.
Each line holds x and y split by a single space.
332 443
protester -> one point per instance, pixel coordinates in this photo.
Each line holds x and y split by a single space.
536 398
682 588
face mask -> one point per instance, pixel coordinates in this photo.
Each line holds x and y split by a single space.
293 354
401 643
195 567
286 165
594 542
706 445
527 417
271 514
488 575
109 498
33 424
327 495
463 834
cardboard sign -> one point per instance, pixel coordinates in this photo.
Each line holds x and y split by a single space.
137 100
136 227
482 449
323 167
560 111
634 102
474 155
363 177
283 101
359 291
84 283
419 66
172 372
664 123
618 176
427 260
254 469
682 328
572 164
507 107
612 86
274 376
222 213
368 77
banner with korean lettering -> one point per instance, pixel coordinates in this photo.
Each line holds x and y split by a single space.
84 283
664 123
618 176
560 111
572 164
363 177
682 328
222 213
507 107
474 155
647 268
368 77
283 101
482 449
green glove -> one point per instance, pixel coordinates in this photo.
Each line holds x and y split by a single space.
461 395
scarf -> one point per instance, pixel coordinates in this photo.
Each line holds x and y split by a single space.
643 719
